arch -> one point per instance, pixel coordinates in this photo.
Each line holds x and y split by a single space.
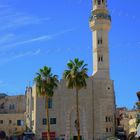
99 2
101 40
70 119
100 58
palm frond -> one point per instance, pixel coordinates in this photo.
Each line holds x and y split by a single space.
76 74
46 82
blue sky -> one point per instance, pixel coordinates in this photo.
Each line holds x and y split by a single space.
34 33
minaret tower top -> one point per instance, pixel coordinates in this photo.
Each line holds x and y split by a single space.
99 4
100 14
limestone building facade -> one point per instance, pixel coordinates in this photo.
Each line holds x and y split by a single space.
12 114
97 101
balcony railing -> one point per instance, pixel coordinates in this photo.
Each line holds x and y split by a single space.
100 16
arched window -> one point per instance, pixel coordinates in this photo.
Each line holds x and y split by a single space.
50 103
100 58
99 2
106 119
106 129
100 40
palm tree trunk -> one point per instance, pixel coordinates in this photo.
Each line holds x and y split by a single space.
78 117
48 123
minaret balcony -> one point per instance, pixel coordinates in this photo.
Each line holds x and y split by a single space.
100 21
100 16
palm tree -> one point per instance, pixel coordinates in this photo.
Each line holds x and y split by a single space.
46 82
75 77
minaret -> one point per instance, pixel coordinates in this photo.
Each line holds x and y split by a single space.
100 24
103 86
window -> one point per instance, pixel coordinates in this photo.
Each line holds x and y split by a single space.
19 122
1 121
109 88
99 2
44 121
106 129
106 119
12 107
100 59
53 121
50 103
100 41
10 121
2 106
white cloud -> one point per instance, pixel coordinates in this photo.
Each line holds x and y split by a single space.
28 53
19 20
13 56
19 55
32 40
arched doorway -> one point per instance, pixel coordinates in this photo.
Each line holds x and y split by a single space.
71 131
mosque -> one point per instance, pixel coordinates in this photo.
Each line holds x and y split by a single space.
97 101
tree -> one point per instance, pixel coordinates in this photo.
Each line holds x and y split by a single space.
75 77
46 82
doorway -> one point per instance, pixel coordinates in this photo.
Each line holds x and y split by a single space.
76 137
